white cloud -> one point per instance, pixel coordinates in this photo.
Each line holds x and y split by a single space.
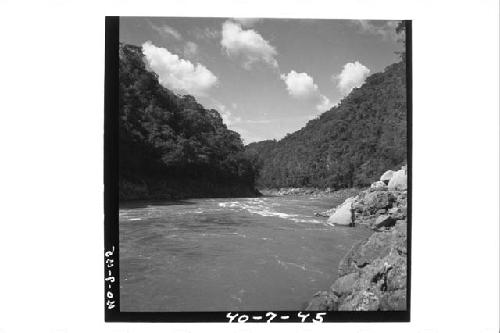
302 86
235 122
246 136
324 104
247 44
175 41
353 75
385 29
167 31
178 74
247 21
227 115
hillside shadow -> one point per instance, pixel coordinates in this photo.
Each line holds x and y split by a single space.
143 204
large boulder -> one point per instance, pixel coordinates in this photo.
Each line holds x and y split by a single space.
343 213
378 186
378 245
386 177
380 285
372 202
323 301
344 284
374 275
398 181
364 252
384 221
398 213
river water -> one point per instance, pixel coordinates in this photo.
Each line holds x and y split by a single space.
268 253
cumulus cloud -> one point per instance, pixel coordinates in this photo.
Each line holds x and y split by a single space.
353 75
302 86
247 44
247 21
178 74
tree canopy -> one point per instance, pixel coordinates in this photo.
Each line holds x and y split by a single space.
352 144
170 146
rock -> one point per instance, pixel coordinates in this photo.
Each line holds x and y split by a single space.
373 201
386 177
398 181
367 220
378 186
397 213
364 252
393 301
363 301
378 245
344 284
323 301
372 276
343 213
393 210
396 276
379 285
384 221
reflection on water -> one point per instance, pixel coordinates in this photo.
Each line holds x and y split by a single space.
260 254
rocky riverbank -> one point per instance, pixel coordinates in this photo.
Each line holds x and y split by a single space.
295 191
373 274
286 191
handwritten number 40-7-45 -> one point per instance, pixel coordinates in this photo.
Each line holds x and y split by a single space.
271 316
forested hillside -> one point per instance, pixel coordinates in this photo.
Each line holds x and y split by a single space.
350 145
172 147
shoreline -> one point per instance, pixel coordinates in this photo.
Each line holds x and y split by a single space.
372 276
129 191
255 193
299 191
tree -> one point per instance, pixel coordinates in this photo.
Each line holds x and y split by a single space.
170 146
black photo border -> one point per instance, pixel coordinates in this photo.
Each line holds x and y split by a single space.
111 211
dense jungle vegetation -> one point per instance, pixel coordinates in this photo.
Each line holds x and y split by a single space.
169 145
350 145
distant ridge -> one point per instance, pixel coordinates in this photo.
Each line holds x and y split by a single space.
349 145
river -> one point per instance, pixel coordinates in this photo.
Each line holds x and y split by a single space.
268 253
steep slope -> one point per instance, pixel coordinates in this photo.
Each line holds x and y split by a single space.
170 146
349 145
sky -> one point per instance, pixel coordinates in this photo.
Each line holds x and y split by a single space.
266 77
